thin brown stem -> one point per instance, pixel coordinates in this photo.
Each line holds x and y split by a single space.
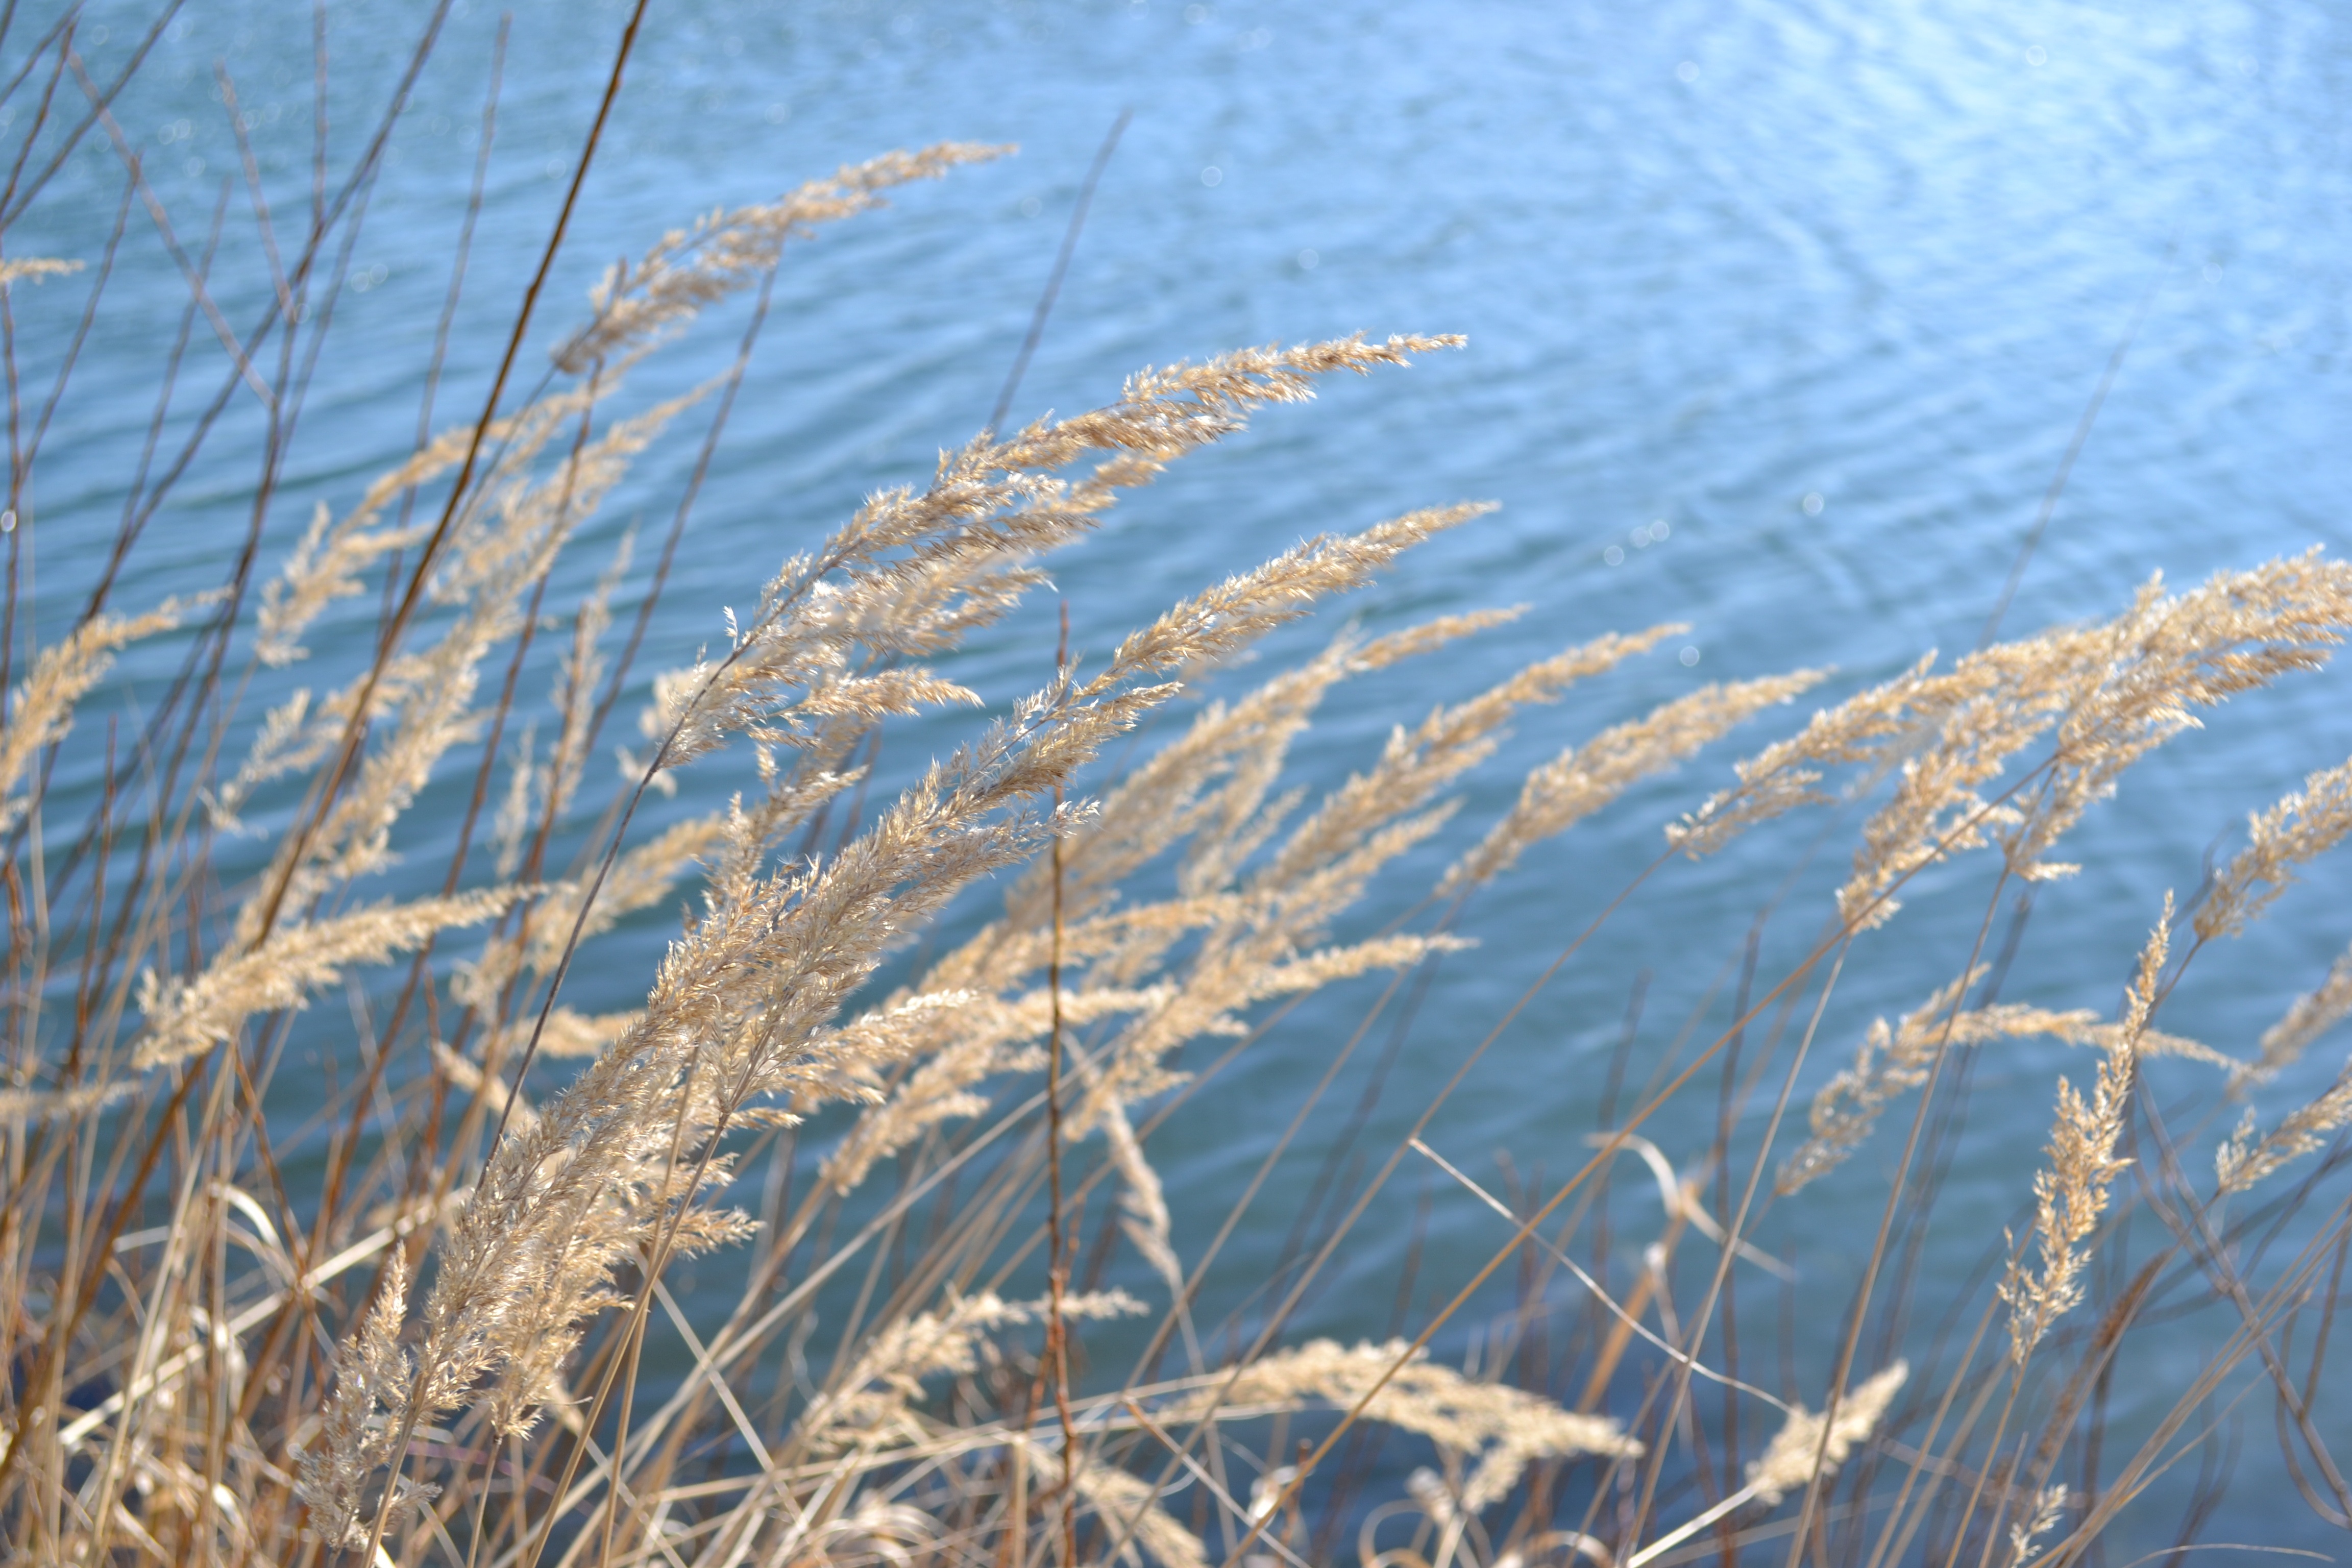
1058 1267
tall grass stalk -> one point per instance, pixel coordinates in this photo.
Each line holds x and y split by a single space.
432 1314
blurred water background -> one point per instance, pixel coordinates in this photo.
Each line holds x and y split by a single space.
1781 317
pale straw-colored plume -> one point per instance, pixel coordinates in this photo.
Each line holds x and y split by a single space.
1415 765
577 678
513 526
1582 780
1210 786
40 710
618 1160
325 566
1127 1507
1805 1451
912 572
20 1106
282 744
426 700
1781 776
2305 825
690 270
2246 1158
1501 1429
185 1016
639 878
873 1401
543 792
513 820
372 1370
1891 1063
731 1019
1258 933
329 561
1268 944
957 1041
873 1530
467 1075
2049 1503
1212 783
2071 1192
36 268
2144 672
2107 695
1164 802
2312 1016
1143 1202
1237 612
1800 1454
568 1032
1431 1496
1993 705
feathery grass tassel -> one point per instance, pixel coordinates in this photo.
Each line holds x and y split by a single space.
2072 1193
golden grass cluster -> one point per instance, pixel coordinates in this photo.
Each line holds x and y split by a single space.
441 1323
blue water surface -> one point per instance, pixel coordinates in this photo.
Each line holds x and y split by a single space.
1782 318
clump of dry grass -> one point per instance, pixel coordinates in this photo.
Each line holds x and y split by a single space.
444 1324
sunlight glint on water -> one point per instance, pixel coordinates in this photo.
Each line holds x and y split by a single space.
1781 320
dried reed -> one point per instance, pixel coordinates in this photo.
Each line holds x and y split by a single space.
416 1329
